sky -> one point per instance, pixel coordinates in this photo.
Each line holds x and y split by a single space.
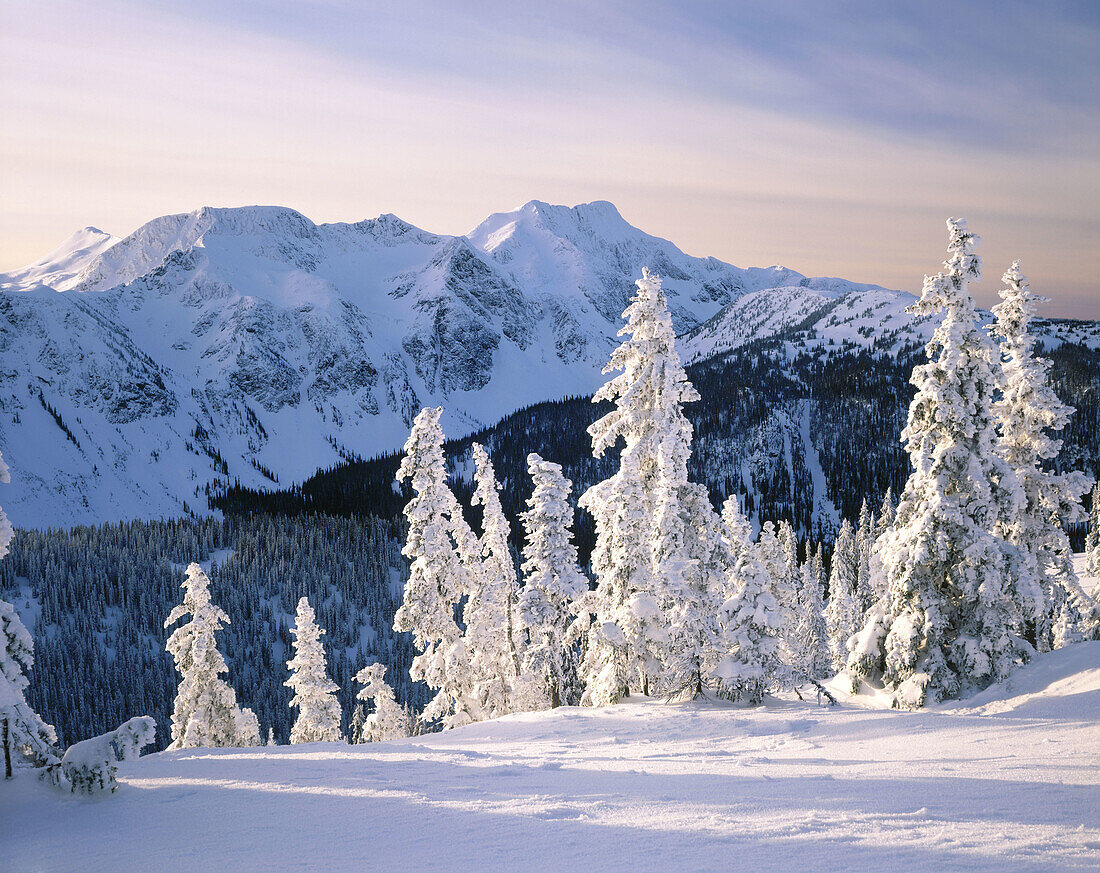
833 138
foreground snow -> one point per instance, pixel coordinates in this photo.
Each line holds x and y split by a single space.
1006 781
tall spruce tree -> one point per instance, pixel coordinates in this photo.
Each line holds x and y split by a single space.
314 692
811 634
844 613
865 540
653 559
1027 410
553 584
749 618
1092 539
950 614
205 712
489 613
439 578
21 728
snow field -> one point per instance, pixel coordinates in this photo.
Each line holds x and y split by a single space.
1007 781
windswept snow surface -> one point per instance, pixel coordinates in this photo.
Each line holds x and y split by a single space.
1004 782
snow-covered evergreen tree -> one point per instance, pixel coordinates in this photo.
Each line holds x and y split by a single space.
205 712
1092 539
811 648
489 613
777 550
750 619
389 720
6 530
439 578
314 692
844 613
951 611
654 561
21 728
886 513
1027 410
553 583
865 541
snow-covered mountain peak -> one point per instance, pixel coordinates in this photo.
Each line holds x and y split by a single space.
249 341
61 266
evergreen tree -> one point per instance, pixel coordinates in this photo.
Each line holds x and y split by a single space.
787 584
750 619
653 560
553 584
865 540
205 712
490 607
314 693
843 614
811 636
438 577
951 611
389 720
1092 540
777 552
6 530
886 513
1027 410
21 728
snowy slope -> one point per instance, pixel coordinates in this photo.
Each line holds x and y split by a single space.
874 318
61 267
1005 782
252 344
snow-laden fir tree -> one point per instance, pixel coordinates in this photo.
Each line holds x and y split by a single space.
810 649
6 530
21 728
205 712
885 518
1092 539
553 583
389 720
489 613
653 559
1027 410
844 612
749 618
439 577
777 550
865 541
950 612
314 692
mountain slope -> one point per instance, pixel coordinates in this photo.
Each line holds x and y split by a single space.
254 345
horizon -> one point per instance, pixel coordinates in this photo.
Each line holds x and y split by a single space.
979 296
762 134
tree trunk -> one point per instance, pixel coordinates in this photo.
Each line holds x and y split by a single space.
7 749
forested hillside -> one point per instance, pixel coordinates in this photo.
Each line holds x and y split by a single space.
99 597
801 435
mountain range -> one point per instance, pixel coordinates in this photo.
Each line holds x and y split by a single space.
253 345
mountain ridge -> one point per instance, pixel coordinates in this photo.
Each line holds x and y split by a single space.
251 344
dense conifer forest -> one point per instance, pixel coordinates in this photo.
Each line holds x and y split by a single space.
104 592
